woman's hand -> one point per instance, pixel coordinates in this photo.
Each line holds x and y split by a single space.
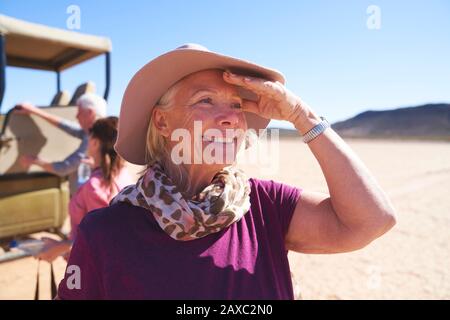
89 161
52 250
275 100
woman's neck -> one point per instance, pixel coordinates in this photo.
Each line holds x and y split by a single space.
199 176
96 160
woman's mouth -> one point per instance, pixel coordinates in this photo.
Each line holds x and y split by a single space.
219 139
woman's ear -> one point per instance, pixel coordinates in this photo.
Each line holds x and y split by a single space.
159 119
96 142
93 146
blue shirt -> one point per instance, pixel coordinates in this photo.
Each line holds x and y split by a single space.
69 166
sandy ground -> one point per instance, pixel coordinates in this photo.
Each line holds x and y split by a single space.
412 261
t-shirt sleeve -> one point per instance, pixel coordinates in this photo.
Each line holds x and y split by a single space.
82 280
95 195
89 197
284 198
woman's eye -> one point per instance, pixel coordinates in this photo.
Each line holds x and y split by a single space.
206 100
236 105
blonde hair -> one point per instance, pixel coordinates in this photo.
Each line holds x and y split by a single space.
156 144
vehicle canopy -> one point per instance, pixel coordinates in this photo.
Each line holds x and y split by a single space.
32 200
36 46
31 45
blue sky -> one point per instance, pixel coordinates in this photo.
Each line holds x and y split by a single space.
324 48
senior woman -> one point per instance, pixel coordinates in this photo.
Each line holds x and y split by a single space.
201 229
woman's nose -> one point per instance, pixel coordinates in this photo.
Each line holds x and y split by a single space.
229 119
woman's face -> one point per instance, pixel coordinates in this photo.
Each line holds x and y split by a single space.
93 149
209 110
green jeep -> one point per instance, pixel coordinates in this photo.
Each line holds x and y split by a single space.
33 200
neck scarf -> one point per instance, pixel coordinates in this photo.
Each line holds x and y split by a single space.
224 201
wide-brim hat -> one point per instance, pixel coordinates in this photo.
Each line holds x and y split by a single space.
153 80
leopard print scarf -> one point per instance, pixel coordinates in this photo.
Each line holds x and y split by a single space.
220 204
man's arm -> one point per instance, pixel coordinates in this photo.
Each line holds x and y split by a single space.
61 168
27 160
67 126
28 108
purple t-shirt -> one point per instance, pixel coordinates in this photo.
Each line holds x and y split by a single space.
121 253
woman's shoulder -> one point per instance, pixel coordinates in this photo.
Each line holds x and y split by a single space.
275 201
271 187
274 191
259 183
112 217
94 181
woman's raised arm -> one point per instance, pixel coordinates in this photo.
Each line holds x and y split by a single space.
356 211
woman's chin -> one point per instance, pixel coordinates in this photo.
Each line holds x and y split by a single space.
219 154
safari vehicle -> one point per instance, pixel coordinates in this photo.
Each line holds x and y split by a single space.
33 200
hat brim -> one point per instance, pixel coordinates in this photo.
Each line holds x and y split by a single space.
156 77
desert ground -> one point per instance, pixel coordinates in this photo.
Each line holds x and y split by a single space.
412 261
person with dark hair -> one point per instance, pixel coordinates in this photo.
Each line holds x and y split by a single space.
108 177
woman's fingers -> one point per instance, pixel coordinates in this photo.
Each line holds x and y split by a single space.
49 257
48 241
257 85
89 161
50 251
250 106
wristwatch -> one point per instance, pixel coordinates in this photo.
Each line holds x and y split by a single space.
316 131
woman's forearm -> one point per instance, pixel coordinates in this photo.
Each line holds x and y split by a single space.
64 246
54 249
356 197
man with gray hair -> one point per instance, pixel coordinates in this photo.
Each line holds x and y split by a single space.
90 108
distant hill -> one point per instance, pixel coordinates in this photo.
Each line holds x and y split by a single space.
430 121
